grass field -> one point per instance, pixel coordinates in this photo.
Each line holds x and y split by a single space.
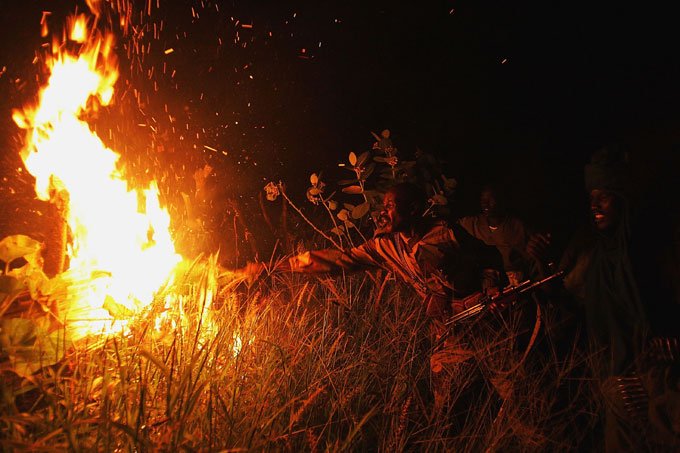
294 363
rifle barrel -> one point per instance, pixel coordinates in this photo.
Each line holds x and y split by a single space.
524 287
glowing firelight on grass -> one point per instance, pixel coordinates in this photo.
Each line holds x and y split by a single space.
121 246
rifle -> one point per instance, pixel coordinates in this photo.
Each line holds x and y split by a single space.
509 294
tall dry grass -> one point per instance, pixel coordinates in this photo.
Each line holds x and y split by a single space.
295 363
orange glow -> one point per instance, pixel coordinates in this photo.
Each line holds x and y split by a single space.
79 29
121 246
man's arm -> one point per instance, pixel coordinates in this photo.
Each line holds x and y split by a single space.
333 261
327 261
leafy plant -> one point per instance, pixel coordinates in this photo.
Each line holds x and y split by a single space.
374 172
31 335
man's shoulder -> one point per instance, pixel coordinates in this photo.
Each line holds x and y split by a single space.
438 225
382 243
440 230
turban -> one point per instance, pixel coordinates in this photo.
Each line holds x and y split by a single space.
608 170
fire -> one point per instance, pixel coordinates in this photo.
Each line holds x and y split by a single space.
79 29
120 237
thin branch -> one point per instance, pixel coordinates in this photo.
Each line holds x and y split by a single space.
290 202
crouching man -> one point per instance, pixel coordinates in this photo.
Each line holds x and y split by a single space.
443 263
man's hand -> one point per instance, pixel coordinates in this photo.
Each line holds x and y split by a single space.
299 262
499 301
250 272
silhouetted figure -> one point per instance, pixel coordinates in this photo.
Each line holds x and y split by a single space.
496 227
617 271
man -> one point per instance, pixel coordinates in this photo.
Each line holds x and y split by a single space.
616 270
443 264
496 227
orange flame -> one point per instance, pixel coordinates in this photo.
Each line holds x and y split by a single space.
121 238
78 29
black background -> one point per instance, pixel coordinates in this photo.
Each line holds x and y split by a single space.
516 92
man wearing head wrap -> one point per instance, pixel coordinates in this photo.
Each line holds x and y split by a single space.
616 269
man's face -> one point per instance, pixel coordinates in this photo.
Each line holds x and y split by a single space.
394 214
605 209
487 202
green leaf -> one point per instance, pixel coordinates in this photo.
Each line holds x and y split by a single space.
17 332
9 285
347 182
368 172
29 276
348 206
314 179
361 210
340 230
29 346
363 158
53 347
343 215
380 159
20 246
352 159
355 190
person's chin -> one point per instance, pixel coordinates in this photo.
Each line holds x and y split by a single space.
601 223
382 230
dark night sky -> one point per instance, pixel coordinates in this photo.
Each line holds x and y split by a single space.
521 91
